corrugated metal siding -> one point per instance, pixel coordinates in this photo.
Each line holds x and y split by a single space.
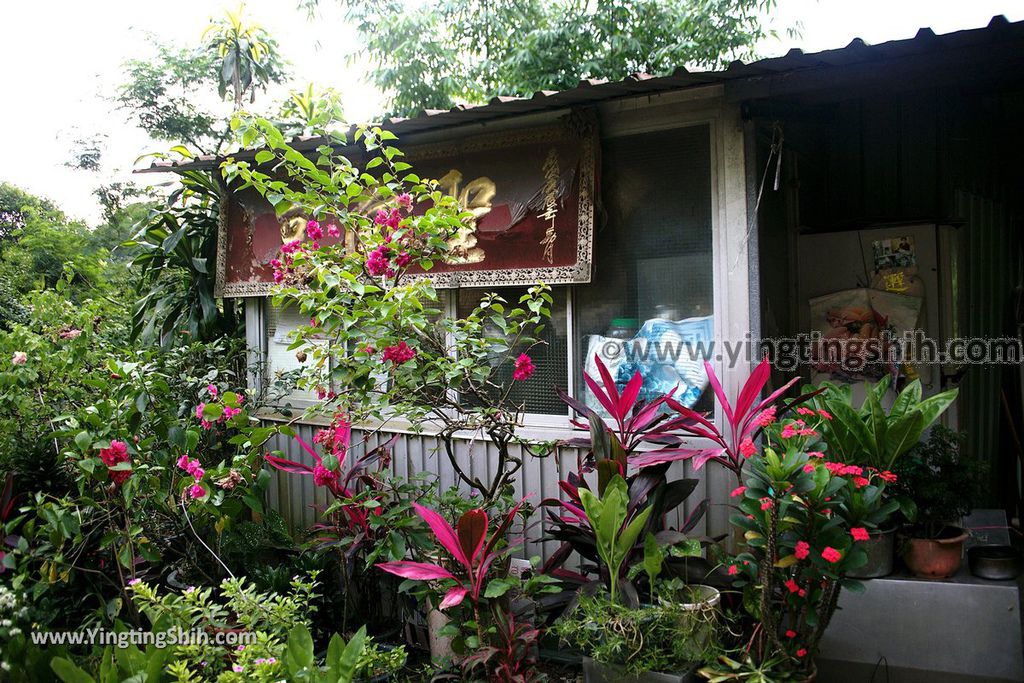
991 277
296 498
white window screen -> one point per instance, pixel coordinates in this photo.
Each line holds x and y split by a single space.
537 394
283 365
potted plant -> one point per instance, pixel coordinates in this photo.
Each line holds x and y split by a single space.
874 437
943 485
661 642
805 519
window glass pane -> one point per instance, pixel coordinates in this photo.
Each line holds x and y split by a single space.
536 394
652 283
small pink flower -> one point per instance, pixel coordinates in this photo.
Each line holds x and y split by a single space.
733 569
196 491
809 467
747 448
802 410
815 454
134 581
802 652
333 230
524 368
860 482
859 533
765 417
802 550
238 668
183 462
403 260
792 587
212 390
19 358
199 411
830 554
404 200
825 415
766 503
887 476
738 491
791 633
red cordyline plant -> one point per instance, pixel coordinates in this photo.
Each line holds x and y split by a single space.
469 545
329 472
611 449
731 448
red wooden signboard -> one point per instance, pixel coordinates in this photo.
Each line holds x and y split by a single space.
531 191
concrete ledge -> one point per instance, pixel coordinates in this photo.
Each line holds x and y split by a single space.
920 631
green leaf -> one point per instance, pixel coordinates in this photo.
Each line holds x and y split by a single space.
68 672
83 441
299 655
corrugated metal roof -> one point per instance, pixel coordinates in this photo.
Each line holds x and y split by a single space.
858 53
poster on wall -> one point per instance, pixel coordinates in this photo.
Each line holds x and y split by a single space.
855 332
531 193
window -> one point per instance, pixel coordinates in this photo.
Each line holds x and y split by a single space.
652 283
537 396
283 365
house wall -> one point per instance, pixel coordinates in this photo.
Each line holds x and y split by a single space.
295 497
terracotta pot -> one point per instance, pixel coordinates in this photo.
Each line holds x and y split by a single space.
935 558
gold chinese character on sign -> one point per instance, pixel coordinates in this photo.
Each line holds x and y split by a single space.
550 211
474 197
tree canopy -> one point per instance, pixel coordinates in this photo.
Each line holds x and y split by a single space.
452 51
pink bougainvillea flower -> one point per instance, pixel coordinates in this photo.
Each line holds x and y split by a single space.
19 358
377 261
404 200
199 411
196 491
333 230
747 448
802 550
738 491
212 389
183 461
313 230
830 554
403 259
291 247
859 533
325 477
399 353
524 368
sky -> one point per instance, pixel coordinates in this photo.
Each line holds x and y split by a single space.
63 63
